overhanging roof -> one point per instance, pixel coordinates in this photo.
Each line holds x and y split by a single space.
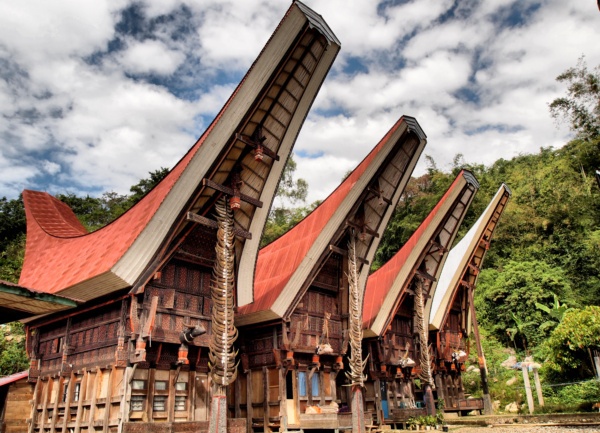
270 104
285 266
466 258
6 380
18 302
424 252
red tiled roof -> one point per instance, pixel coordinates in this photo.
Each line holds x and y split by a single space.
60 253
278 261
58 256
380 282
13 377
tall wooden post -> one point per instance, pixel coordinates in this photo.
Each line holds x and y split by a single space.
223 369
356 363
422 325
487 400
538 387
528 392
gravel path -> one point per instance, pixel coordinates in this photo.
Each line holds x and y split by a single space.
521 428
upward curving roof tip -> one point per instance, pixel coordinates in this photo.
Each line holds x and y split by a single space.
61 257
52 215
469 249
284 264
426 247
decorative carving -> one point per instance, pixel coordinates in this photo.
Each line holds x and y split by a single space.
223 369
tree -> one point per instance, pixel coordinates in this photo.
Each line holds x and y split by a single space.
284 216
12 238
13 357
505 299
568 347
12 220
519 328
556 312
289 189
581 106
141 188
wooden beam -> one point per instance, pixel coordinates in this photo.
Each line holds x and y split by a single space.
438 245
249 401
425 275
344 253
199 219
364 228
474 269
379 195
93 406
467 284
253 144
58 382
39 387
265 373
67 412
107 400
229 191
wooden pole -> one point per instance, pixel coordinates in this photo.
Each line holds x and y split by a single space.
538 387
487 400
528 388
357 409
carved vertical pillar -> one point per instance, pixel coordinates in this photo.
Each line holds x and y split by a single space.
357 364
223 369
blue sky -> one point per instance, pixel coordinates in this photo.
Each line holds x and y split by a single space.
95 94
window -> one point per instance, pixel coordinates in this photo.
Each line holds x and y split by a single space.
76 391
138 385
137 402
315 385
180 403
160 385
302 384
181 386
65 391
160 403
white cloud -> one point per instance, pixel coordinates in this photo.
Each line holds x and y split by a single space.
476 88
150 57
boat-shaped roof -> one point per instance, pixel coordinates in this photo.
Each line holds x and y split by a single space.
268 106
466 258
423 254
285 266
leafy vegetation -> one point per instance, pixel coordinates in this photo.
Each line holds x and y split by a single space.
12 349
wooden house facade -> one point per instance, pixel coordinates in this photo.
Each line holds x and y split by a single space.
396 308
136 349
452 317
295 336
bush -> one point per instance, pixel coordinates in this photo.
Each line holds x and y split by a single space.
573 398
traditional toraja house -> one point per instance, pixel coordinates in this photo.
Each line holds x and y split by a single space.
452 315
157 284
296 332
396 310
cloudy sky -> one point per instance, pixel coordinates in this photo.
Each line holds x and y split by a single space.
95 94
